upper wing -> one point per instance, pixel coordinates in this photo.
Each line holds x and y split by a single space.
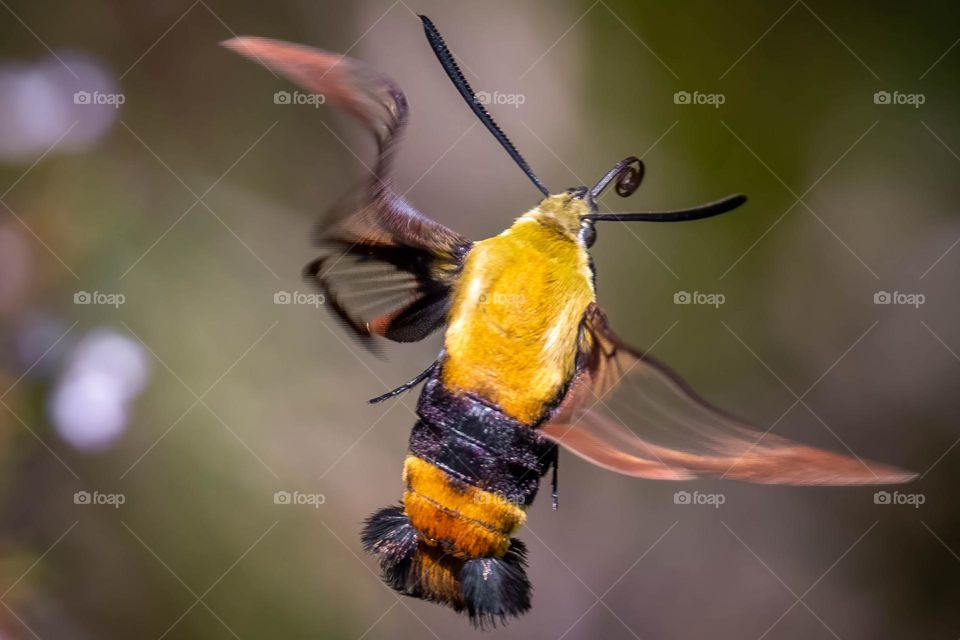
675 434
385 269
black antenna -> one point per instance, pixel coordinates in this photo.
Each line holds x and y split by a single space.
695 213
628 173
456 76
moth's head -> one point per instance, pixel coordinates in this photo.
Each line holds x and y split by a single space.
565 210
575 210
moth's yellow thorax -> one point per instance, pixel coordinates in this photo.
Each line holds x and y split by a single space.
516 312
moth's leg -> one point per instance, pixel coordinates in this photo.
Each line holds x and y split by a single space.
406 386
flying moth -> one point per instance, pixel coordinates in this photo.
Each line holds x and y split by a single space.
529 360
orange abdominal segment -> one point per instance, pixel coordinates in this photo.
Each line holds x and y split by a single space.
470 522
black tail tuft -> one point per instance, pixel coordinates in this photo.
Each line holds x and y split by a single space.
488 590
389 535
494 588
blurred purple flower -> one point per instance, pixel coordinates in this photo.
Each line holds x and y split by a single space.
44 101
90 405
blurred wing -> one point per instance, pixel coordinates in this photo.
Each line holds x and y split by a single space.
385 269
629 413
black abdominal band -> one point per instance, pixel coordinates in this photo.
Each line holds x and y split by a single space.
477 444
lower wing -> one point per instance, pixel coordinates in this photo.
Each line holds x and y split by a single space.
630 413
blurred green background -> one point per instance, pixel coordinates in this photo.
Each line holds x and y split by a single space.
144 362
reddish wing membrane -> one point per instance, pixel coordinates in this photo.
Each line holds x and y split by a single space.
385 269
629 413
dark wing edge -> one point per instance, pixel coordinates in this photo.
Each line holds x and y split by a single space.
675 434
385 269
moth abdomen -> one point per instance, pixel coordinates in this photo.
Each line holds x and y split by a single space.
469 476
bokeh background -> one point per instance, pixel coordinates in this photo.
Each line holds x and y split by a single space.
154 396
